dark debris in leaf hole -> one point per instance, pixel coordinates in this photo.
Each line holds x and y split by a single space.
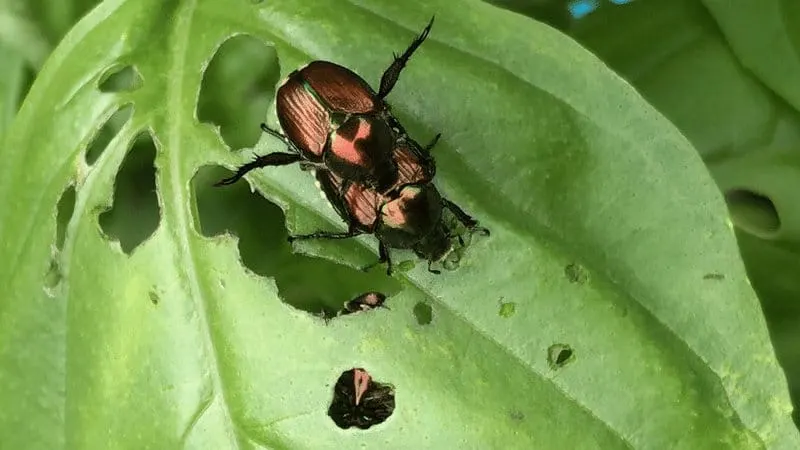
360 401
361 303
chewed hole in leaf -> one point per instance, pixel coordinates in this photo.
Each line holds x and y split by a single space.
360 401
312 284
753 212
507 309
107 132
423 313
120 79
237 88
154 297
559 355
576 273
135 213
64 210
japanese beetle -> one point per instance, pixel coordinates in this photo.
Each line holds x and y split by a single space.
333 119
409 218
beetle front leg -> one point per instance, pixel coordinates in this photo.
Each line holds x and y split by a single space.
390 76
464 218
272 159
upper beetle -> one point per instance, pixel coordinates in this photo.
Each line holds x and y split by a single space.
333 119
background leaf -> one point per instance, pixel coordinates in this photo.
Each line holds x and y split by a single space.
12 79
752 28
124 316
729 95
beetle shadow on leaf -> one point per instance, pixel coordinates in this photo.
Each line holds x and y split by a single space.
237 88
312 284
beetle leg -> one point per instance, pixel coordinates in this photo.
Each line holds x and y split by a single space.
391 74
464 218
383 253
434 271
277 134
271 159
432 144
383 257
324 235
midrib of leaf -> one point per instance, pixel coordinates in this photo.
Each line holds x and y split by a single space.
176 208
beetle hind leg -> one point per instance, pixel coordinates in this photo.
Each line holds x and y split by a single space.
390 76
271 159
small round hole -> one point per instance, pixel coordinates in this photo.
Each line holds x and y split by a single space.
423 313
559 355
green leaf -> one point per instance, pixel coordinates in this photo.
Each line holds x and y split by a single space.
604 226
674 53
12 84
773 267
20 32
764 35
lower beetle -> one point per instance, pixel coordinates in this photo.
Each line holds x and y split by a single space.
333 119
410 218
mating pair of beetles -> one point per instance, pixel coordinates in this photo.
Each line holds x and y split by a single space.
378 179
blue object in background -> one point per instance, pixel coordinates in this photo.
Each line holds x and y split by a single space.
581 8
